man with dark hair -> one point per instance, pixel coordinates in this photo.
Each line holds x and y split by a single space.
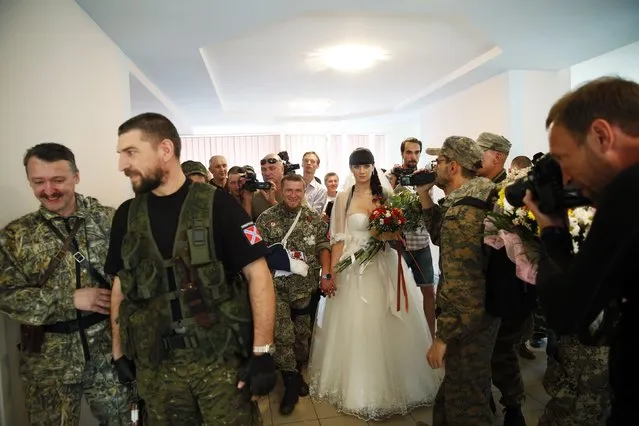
417 255
52 283
594 136
465 331
185 321
303 236
520 162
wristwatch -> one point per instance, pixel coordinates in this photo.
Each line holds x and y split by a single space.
265 349
326 277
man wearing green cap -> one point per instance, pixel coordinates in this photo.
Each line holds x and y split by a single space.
506 373
195 171
465 332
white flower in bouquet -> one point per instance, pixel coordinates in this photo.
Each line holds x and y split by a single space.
579 221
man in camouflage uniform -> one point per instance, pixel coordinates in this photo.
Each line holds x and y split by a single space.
195 171
195 333
465 332
506 372
60 296
308 242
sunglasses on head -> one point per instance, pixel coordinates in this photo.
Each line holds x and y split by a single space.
269 160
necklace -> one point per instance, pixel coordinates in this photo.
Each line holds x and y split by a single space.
365 191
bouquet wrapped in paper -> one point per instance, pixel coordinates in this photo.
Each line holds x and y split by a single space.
515 229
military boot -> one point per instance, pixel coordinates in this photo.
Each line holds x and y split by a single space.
513 416
291 391
303 385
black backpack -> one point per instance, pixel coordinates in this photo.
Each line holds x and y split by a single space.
507 296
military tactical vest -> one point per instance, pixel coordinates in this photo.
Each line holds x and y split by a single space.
216 314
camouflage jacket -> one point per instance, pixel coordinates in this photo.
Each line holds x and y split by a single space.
458 231
310 236
27 245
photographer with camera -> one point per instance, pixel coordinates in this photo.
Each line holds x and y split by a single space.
260 196
594 136
417 255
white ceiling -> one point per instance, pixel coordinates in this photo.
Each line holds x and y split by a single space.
220 62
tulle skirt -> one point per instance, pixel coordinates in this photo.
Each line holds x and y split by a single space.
367 358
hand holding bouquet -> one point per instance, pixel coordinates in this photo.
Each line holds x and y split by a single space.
386 223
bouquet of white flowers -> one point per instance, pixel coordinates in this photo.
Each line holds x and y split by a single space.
579 221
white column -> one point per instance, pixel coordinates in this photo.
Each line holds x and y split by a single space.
62 80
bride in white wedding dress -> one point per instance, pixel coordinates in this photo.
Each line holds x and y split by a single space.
367 358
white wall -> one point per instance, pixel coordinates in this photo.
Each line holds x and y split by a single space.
484 107
62 80
623 62
532 93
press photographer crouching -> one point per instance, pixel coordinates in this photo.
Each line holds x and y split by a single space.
594 136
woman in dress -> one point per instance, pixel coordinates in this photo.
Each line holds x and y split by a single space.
368 359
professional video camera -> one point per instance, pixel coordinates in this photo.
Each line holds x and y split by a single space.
545 182
409 176
250 182
288 167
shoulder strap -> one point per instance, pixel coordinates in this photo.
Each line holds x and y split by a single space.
290 230
66 243
473 202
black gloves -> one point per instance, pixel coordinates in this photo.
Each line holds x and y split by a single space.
259 375
125 368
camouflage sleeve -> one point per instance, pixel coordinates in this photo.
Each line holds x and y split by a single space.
463 292
321 239
261 222
28 303
433 222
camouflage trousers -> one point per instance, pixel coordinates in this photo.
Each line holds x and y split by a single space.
51 402
190 389
577 381
505 362
292 333
464 396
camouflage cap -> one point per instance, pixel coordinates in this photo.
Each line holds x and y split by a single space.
492 142
461 149
194 167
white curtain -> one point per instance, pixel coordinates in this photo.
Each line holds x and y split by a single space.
333 150
238 150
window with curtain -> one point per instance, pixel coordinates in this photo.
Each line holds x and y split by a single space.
333 150
238 150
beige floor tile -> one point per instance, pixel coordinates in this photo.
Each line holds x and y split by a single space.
423 414
531 404
305 423
304 411
325 411
265 410
537 392
342 421
395 421
532 417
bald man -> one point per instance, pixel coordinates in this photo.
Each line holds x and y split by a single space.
218 168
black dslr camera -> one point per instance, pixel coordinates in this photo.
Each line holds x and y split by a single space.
545 182
288 167
251 183
411 177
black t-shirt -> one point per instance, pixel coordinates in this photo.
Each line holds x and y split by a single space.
231 230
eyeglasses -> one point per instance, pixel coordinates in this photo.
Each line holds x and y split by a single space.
269 160
436 162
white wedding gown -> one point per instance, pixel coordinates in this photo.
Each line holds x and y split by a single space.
368 359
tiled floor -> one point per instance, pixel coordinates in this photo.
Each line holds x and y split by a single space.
308 413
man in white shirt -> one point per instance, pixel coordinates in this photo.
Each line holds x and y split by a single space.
315 191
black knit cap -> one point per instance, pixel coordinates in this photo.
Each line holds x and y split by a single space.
361 156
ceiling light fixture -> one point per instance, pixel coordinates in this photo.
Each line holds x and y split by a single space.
347 57
311 105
